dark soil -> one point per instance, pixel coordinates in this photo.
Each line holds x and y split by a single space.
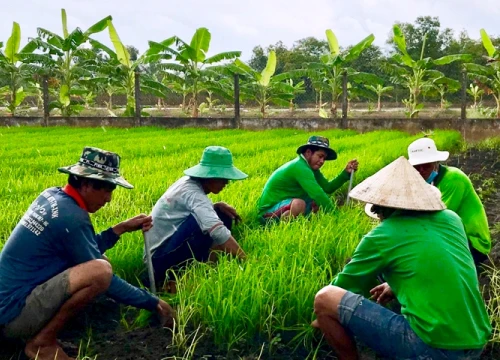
104 322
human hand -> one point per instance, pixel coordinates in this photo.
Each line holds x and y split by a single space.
352 166
229 211
166 314
140 222
382 293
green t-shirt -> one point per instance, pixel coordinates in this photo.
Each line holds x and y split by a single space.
425 258
297 180
459 195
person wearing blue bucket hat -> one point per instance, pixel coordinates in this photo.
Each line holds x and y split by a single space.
298 187
187 225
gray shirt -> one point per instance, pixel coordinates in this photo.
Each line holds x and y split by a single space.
185 197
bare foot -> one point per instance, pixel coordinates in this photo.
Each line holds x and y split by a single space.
45 352
170 287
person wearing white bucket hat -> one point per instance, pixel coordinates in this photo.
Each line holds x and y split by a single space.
457 192
421 249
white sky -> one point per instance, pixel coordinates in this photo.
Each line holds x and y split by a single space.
241 25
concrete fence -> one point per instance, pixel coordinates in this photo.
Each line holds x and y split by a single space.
471 129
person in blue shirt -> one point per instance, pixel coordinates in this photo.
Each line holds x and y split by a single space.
53 263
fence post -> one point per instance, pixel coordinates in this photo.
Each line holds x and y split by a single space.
463 113
344 101
45 89
237 116
138 119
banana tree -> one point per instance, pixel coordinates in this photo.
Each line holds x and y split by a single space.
488 77
14 69
68 66
379 90
443 86
192 60
219 84
298 88
263 87
333 65
123 74
476 92
416 75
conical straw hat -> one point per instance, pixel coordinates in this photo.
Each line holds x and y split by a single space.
400 186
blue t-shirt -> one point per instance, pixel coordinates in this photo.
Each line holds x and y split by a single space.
52 236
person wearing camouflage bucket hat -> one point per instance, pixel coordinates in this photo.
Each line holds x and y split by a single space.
98 164
298 187
53 263
187 224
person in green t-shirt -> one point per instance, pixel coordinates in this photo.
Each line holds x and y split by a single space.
298 187
457 193
421 249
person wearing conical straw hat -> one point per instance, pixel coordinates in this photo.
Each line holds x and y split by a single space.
421 249
298 187
53 263
457 193
187 224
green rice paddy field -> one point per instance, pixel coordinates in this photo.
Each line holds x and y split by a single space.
270 293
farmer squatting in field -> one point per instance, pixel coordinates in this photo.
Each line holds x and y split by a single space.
421 250
298 187
187 224
53 265
457 191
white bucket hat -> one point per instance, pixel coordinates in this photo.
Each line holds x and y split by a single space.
399 186
423 151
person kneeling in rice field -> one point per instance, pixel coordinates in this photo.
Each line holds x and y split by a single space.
298 187
457 192
421 249
187 224
53 263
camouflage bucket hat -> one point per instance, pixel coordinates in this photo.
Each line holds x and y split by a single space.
98 164
320 142
216 162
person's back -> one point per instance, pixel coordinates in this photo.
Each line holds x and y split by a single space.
37 248
425 259
459 195
173 208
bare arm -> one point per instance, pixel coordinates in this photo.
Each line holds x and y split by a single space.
232 247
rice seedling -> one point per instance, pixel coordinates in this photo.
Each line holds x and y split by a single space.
270 296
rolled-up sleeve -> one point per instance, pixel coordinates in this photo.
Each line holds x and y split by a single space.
203 211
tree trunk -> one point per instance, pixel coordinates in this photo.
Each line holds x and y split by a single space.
183 102
110 103
333 109
379 104
195 99
497 98
195 107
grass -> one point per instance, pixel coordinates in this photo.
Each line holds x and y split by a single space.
270 296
